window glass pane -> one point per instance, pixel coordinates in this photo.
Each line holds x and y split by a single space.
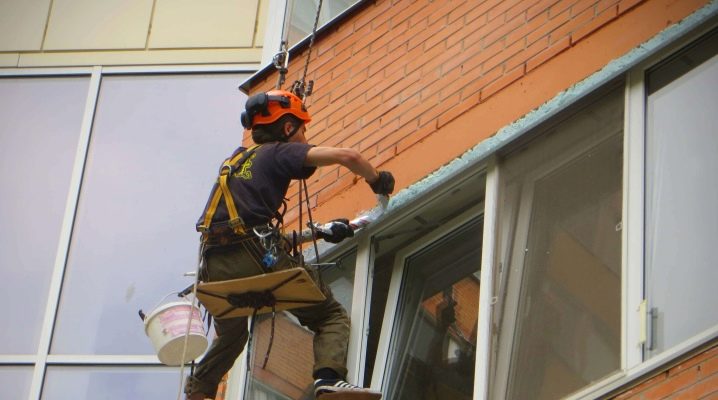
156 145
303 12
111 383
681 199
288 374
560 230
464 194
15 381
433 351
40 121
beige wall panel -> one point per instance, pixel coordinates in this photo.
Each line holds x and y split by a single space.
206 23
261 23
98 24
22 24
9 59
155 57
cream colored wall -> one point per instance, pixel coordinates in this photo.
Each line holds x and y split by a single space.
51 33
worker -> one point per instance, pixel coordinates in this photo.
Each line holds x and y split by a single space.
236 246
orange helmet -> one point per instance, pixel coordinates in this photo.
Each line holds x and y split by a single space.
265 108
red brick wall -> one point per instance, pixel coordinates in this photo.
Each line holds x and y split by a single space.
413 84
694 379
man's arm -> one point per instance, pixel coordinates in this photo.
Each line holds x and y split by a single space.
349 158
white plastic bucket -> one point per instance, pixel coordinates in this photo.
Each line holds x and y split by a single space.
166 327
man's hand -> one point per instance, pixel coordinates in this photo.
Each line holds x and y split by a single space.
384 185
335 231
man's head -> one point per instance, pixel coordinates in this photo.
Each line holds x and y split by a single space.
277 115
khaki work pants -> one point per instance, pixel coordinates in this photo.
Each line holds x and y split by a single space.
328 320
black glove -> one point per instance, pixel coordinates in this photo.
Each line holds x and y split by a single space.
384 185
335 231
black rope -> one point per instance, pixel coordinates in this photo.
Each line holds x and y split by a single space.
271 338
311 43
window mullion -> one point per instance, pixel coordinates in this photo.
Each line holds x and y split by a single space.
633 221
486 296
65 235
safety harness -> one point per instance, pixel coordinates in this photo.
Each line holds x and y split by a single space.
221 191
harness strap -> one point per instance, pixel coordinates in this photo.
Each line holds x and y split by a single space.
221 191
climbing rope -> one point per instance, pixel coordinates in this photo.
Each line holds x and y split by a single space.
301 87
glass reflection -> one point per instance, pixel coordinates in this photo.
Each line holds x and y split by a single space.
153 155
433 354
40 120
111 383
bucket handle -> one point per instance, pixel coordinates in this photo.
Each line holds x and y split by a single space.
142 314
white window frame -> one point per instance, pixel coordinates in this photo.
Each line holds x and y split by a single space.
635 318
383 362
514 278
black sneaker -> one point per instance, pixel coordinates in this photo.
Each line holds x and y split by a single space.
337 389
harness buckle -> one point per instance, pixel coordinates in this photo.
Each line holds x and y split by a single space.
225 170
237 225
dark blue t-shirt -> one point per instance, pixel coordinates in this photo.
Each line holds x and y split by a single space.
261 183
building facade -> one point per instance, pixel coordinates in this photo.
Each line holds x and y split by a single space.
549 237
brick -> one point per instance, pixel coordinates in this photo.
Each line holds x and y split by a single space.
442 105
435 64
600 20
474 87
560 7
378 133
442 34
504 29
603 5
710 366
433 12
583 5
444 85
415 138
672 384
547 54
529 52
468 29
428 55
460 11
478 57
374 14
383 156
498 11
478 11
701 390
407 12
549 26
518 8
524 30
370 36
504 55
539 7
573 23
507 79
455 112
626 5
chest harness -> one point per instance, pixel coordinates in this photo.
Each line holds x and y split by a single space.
221 191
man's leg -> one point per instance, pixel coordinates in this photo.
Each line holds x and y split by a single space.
233 261
226 347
